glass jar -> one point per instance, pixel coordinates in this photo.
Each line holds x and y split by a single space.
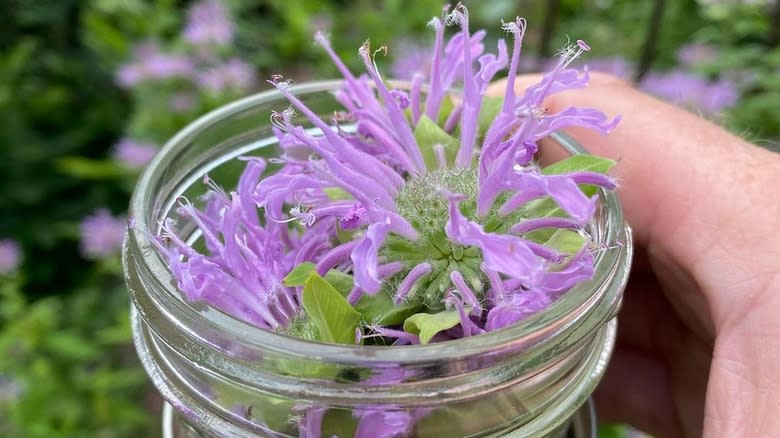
225 378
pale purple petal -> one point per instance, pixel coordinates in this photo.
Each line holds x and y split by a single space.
383 423
515 308
411 278
503 253
353 217
365 257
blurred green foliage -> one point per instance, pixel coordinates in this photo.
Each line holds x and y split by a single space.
66 364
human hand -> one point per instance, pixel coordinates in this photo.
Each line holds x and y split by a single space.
698 349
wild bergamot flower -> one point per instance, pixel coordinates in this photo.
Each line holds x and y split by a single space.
417 213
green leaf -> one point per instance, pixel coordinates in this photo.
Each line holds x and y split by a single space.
70 346
340 281
613 431
446 108
335 319
427 134
426 325
299 274
491 105
380 309
375 309
86 168
566 241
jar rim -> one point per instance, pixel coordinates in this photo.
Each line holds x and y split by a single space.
611 270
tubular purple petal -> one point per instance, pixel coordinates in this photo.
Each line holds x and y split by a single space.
562 189
507 254
517 28
365 257
433 99
515 308
395 114
465 291
577 270
411 278
467 325
400 335
332 258
471 97
383 423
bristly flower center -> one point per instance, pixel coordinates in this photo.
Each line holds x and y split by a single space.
423 204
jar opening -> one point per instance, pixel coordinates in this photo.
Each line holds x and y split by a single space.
148 208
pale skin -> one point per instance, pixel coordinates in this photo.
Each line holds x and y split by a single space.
698 350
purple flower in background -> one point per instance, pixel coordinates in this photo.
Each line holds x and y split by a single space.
320 23
694 54
134 154
615 66
149 63
102 234
410 58
10 256
687 89
235 74
181 102
397 205
208 23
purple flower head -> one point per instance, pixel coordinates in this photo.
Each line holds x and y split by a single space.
410 59
694 54
181 102
208 23
235 75
10 256
134 154
149 63
616 66
403 197
102 234
690 90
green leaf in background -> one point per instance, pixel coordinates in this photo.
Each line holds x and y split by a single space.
428 134
335 319
613 431
426 325
447 105
491 105
86 168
